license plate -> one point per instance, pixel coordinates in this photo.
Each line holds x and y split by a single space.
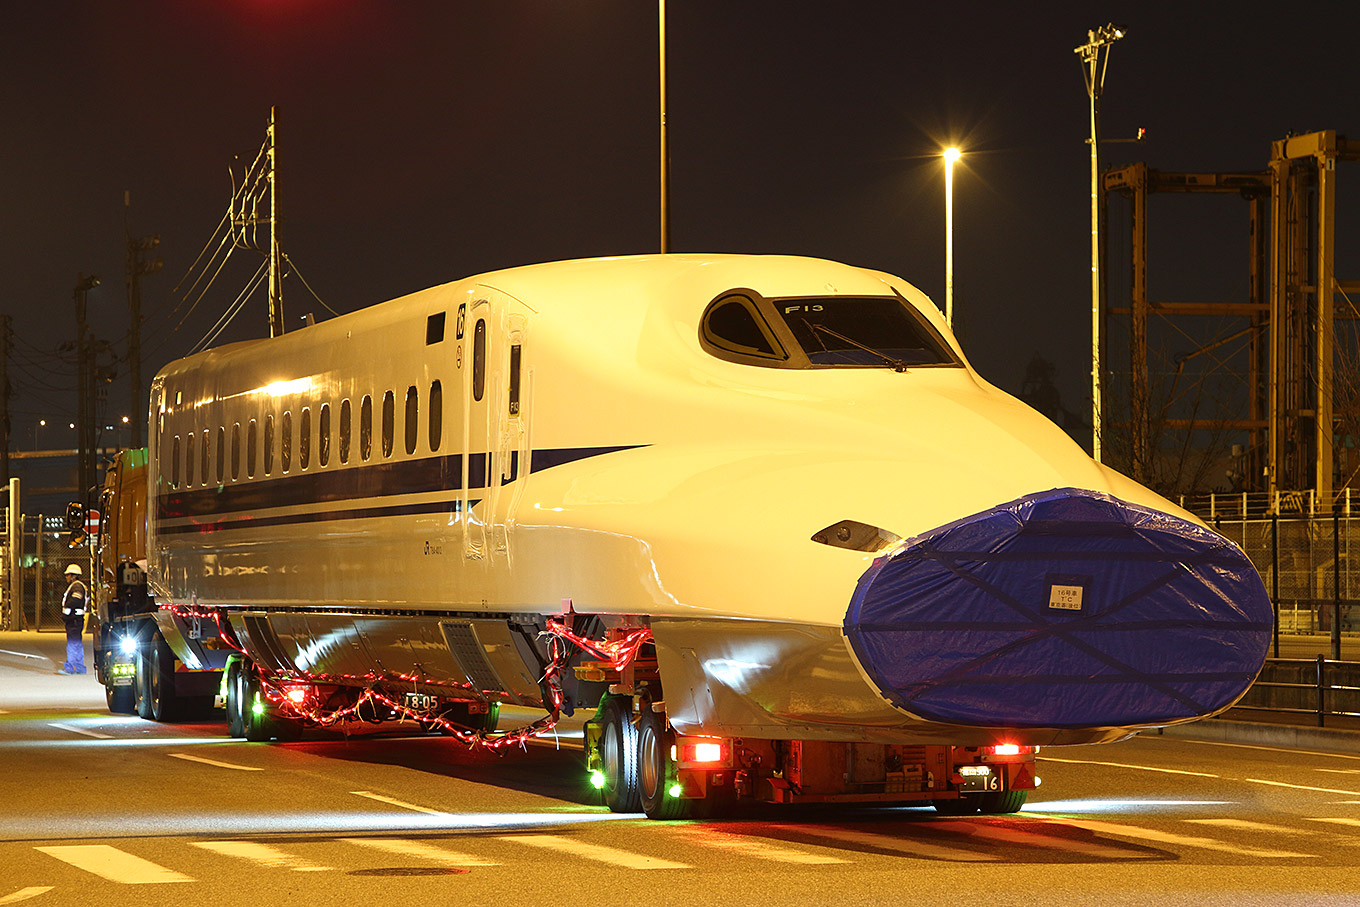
421 702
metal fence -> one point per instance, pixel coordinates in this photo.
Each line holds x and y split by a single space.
32 578
1317 687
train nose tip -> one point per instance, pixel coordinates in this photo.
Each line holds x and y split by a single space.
1062 610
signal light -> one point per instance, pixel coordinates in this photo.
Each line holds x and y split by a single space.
675 790
296 695
709 752
1006 749
597 779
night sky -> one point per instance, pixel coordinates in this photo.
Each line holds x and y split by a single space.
421 142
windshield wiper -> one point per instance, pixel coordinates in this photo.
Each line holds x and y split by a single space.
897 364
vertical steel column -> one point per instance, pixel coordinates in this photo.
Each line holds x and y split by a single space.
1275 460
1138 329
1325 284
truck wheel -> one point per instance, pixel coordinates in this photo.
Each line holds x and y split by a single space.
656 768
1003 801
122 700
619 757
141 684
236 698
161 682
258 713
965 805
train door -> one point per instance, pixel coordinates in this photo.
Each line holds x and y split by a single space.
495 437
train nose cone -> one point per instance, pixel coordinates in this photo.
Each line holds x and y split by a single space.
1065 609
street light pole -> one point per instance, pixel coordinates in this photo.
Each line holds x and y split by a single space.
1095 56
951 155
665 149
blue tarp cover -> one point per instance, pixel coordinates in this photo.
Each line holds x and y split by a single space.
1066 609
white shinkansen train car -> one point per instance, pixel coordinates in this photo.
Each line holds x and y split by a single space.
773 481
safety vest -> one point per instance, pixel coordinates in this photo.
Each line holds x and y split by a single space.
73 602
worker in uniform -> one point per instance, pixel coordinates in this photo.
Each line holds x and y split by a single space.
73 605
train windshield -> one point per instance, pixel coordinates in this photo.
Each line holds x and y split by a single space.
863 331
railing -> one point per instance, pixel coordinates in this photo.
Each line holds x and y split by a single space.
1237 505
1310 686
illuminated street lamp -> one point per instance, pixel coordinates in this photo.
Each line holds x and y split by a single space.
951 156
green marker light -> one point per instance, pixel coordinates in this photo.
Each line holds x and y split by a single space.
597 779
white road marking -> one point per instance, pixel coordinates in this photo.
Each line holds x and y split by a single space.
1339 771
23 894
263 854
422 850
913 847
598 852
1010 835
402 803
1167 837
1336 821
1321 790
1257 746
239 768
1141 768
79 730
113 864
752 847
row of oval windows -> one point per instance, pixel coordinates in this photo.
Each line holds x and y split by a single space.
282 439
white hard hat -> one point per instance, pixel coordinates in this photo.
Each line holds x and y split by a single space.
73 570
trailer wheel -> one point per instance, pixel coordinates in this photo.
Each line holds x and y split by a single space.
619 757
1003 801
236 699
965 805
165 705
121 700
258 714
656 768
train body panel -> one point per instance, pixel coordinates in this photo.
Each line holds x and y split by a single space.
622 438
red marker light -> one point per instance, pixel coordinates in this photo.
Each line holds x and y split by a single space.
1006 749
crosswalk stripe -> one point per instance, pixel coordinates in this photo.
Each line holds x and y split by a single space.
263 854
79 730
597 852
23 894
400 803
1247 825
1012 835
911 846
113 864
1335 820
753 847
422 851
1167 837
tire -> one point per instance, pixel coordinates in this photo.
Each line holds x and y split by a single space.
965 805
618 750
656 768
165 705
121 700
141 684
236 699
257 713
1001 802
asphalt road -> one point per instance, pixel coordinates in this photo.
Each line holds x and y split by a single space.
100 809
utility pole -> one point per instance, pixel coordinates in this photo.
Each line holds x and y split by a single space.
665 147
275 258
6 339
138 266
85 408
1095 57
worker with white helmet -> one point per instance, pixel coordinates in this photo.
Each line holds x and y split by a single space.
73 606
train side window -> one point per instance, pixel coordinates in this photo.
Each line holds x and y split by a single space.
344 430
305 438
436 414
286 441
323 439
269 444
207 460
221 454
174 463
412 425
189 460
252 445
733 324
366 428
479 360
389 426
515 357
235 451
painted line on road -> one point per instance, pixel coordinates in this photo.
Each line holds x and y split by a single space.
79 730
23 894
598 852
23 655
1257 746
402 803
1321 790
912 847
1339 771
1141 768
113 864
214 762
752 847
1354 823
1010 835
422 851
1167 837
263 854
